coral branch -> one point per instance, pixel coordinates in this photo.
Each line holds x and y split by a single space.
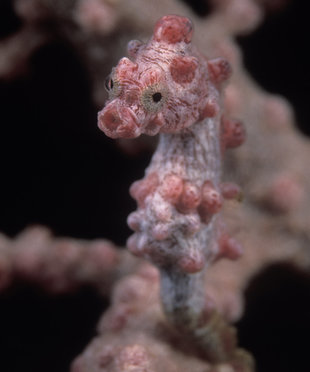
61 264
134 335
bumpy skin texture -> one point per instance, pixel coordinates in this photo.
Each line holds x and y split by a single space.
169 87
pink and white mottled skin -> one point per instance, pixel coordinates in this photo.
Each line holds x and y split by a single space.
168 87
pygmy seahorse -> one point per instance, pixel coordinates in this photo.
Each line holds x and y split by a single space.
168 87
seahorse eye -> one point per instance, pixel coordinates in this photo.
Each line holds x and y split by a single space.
157 97
109 84
154 97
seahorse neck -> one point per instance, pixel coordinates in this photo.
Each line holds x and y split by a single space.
193 153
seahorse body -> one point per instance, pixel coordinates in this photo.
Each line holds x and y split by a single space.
168 87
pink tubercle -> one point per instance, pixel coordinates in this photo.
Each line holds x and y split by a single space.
219 70
133 47
135 246
231 190
118 122
183 69
139 190
191 264
210 109
232 133
173 29
211 198
154 125
160 232
171 188
189 199
134 221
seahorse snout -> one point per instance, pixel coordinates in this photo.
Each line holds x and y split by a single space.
118 122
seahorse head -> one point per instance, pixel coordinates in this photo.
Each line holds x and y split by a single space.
163 86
